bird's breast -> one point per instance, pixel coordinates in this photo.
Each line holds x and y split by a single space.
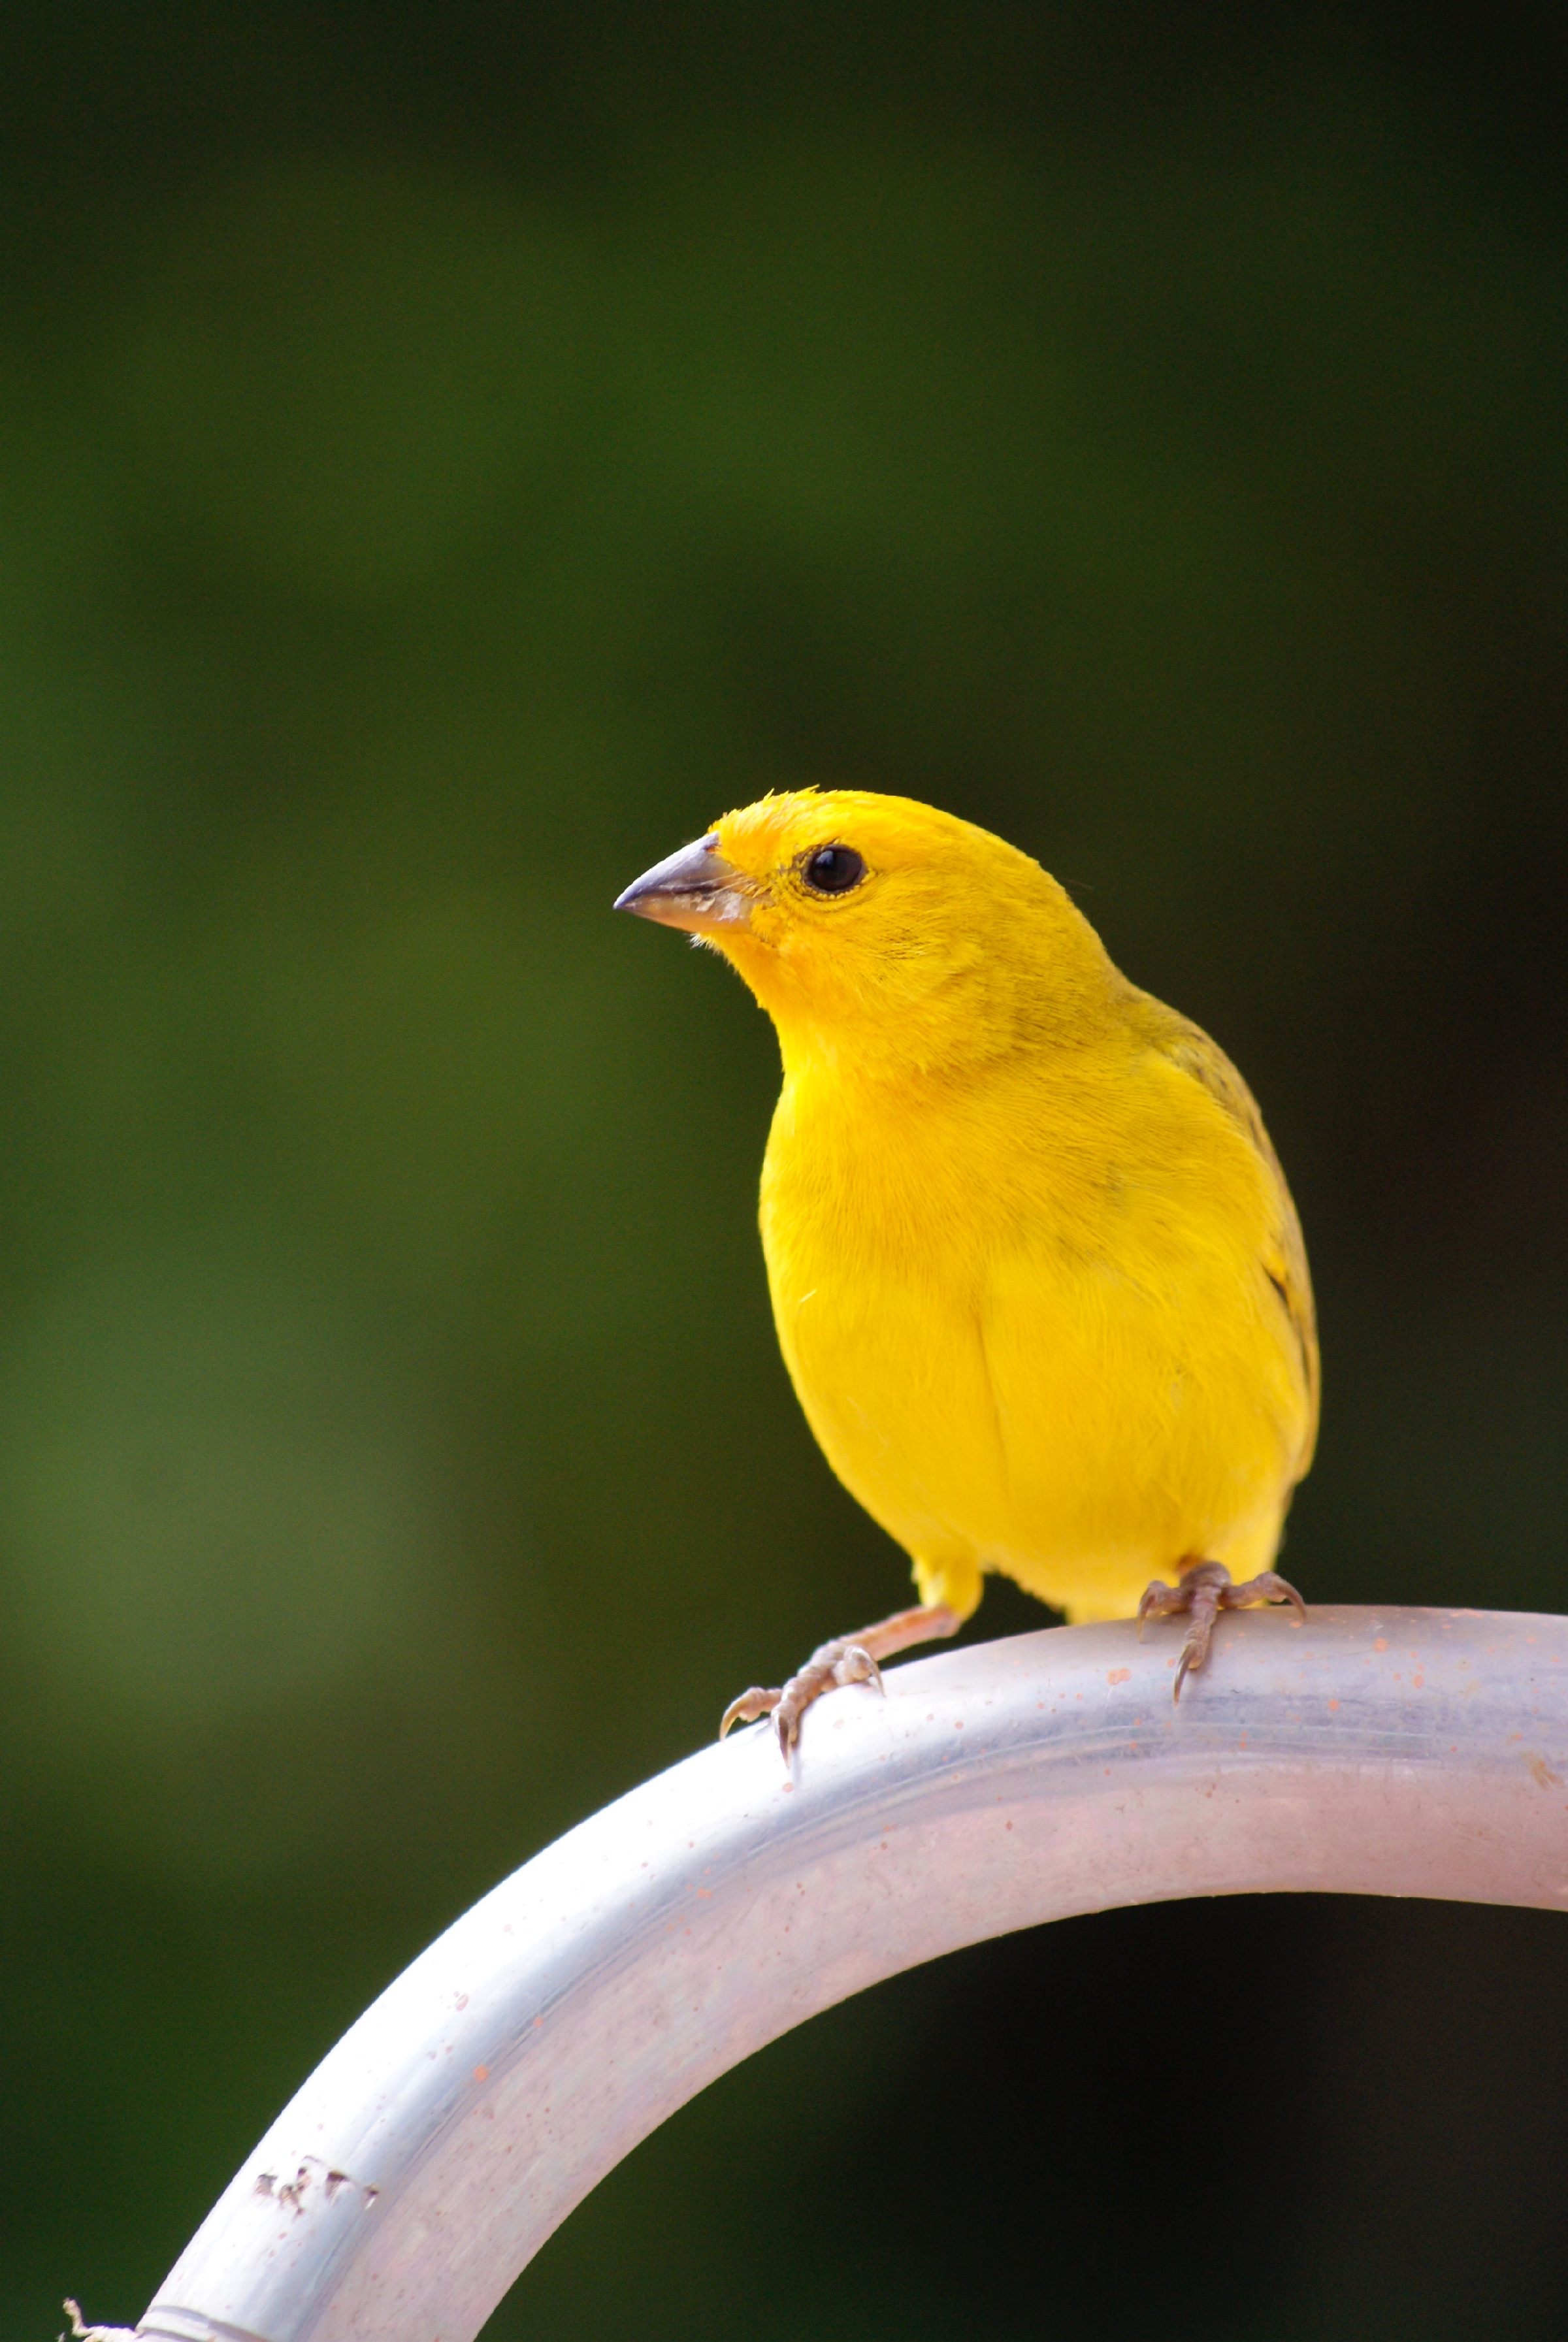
878 1227
1028 1327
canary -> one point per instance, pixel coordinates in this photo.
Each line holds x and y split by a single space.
1037 1276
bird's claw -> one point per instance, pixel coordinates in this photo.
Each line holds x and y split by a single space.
836 1663
857 1665
1204 1591
748 1707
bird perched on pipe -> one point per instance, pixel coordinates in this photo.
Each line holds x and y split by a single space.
1037 1276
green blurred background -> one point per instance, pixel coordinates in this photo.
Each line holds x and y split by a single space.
447 457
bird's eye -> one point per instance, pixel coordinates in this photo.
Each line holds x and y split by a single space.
833 870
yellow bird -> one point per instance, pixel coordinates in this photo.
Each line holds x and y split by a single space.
1036 1274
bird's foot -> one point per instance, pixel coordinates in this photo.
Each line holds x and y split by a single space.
1204 1591
844 1661
851 1660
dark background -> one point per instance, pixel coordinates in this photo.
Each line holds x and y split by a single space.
447 457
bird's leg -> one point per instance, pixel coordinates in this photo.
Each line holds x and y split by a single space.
1204 1589
849 1659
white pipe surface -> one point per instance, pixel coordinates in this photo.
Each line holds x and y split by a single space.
431 2154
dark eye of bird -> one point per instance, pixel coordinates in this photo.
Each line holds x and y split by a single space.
833 870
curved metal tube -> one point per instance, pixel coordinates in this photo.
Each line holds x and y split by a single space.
1383 1752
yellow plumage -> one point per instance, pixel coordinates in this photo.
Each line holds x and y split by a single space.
1036 1274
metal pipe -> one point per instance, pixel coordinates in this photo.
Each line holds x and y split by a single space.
1378 1752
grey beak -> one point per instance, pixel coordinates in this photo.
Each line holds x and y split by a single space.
695 888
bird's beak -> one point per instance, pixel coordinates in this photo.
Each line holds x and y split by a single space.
695 888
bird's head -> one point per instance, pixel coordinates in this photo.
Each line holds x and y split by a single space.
877 929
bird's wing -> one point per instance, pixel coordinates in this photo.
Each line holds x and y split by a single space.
1286 1262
